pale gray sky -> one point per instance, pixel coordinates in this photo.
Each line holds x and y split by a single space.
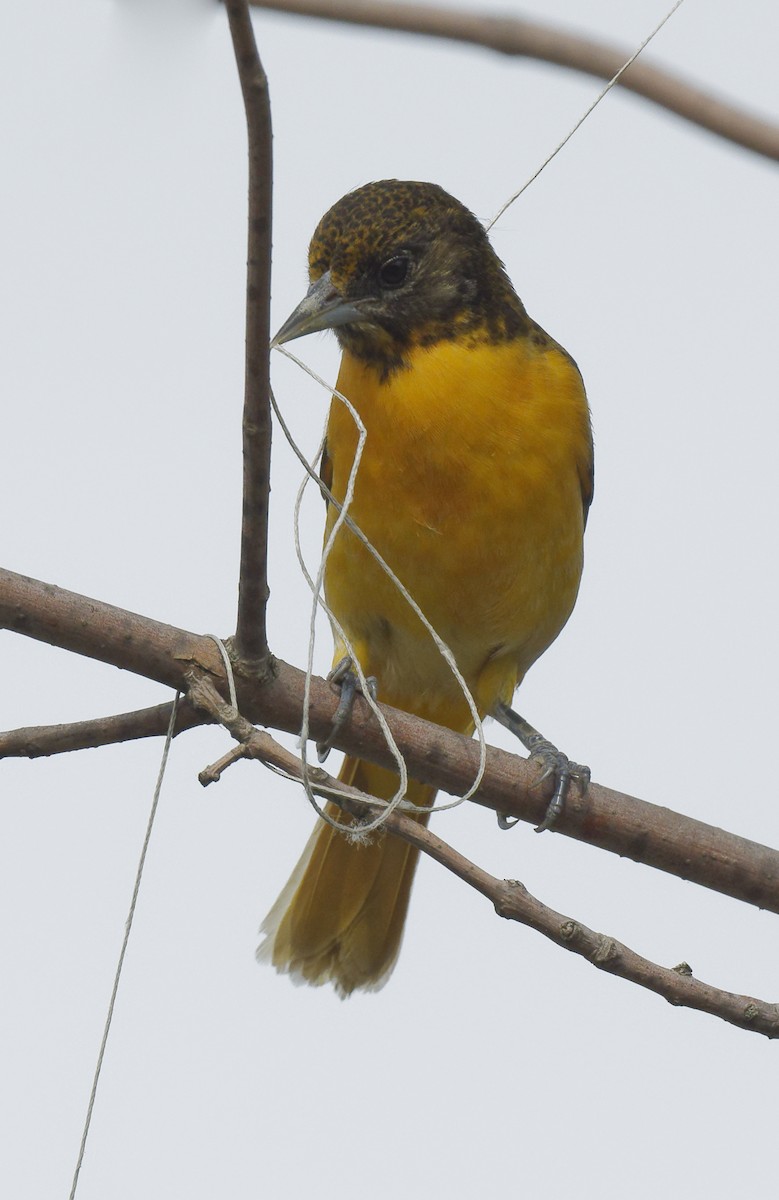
492 1061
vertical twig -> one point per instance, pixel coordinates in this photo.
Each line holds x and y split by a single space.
251 637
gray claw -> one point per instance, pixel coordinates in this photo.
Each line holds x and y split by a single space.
552 760
559 765
343 675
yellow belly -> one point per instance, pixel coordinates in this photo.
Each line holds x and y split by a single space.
470 487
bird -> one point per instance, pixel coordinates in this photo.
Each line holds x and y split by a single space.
474 486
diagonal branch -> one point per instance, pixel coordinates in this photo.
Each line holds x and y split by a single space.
251 636
608 819
510 898
101 631
531 39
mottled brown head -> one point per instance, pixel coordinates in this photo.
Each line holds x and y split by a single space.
395 265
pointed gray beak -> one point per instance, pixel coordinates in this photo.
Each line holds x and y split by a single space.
323 308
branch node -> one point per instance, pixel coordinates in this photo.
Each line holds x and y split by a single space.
683 968
506 904
605 951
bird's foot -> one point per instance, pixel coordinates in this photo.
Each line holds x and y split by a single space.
554 764
560 767
343 676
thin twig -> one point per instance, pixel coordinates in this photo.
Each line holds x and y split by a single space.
214 772
251 636
531 39
510 898
39 741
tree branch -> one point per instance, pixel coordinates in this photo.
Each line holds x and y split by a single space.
608 819
530 39
40 741
251 634
510 897
100 631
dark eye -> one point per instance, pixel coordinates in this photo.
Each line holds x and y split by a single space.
394 272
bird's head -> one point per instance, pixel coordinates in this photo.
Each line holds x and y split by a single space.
396 265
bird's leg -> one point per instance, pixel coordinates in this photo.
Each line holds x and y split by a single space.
554 762
343 675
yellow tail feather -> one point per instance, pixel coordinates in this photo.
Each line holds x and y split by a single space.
340 917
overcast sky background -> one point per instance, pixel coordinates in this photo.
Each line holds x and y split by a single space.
492 1062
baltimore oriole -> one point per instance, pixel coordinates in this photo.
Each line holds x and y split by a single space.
474 486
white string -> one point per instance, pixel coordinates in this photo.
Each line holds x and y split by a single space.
316 588
584 117
228 666
326 789
438 641
320 601
127 928
440 644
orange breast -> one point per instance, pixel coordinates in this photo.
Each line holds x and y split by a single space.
470 487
